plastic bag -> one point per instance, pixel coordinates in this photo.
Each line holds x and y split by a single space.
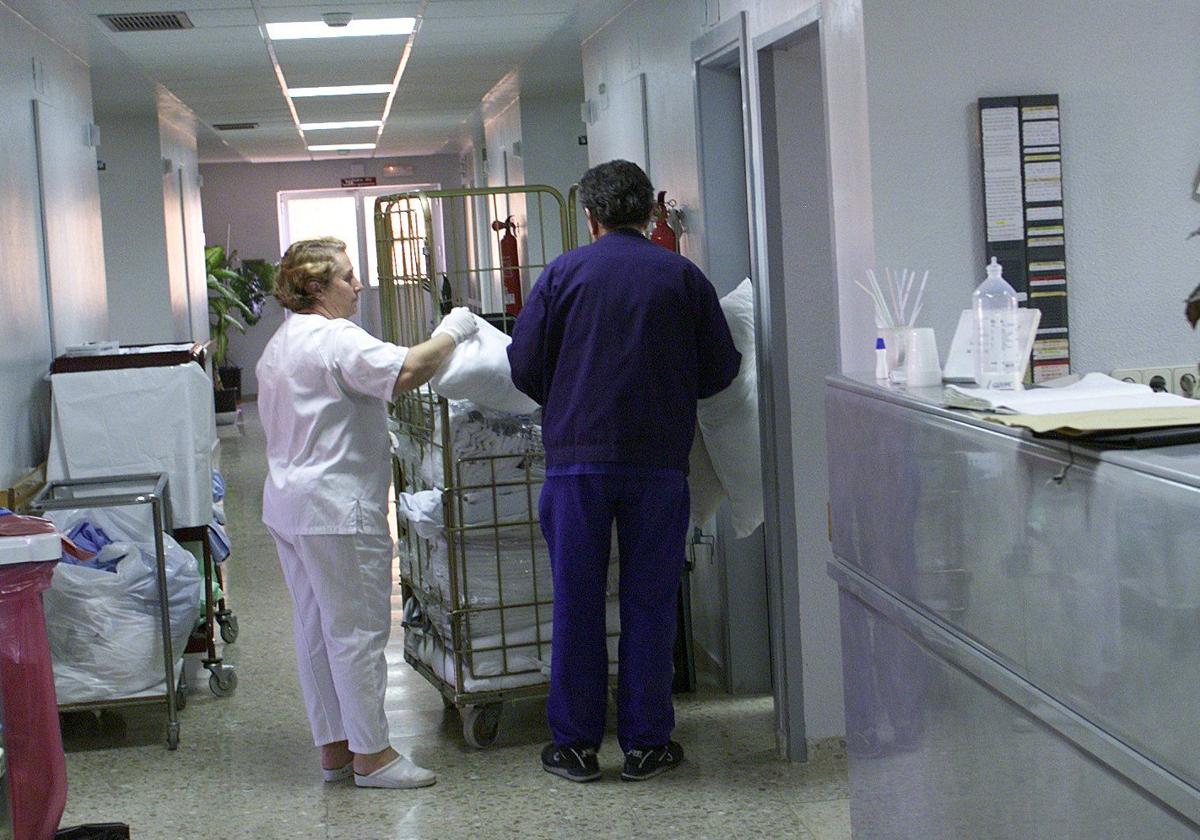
104 627
478 370
729 420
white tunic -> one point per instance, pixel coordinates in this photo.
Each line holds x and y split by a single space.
323 388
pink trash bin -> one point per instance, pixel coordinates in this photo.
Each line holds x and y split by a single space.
37 769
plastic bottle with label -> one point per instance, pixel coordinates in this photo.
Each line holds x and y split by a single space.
998 362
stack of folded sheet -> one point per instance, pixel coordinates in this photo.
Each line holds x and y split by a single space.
482 586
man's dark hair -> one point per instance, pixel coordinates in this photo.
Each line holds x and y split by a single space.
618 194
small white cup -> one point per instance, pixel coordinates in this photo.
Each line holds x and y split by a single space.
896 341
923 368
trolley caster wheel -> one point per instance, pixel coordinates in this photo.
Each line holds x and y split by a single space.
173 736
180 699
222 683
481 725
229 628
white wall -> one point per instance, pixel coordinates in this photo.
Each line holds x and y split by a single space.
80 310
1126 77
183 218
240 200
551 83
135 253
809 296
153 236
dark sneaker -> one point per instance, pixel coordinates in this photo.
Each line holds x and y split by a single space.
648 762
577 764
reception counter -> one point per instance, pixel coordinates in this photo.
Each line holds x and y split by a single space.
1020 626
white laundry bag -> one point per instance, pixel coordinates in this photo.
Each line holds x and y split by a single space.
105 628
729 420
478 371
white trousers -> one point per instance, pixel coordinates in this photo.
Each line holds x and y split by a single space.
341 585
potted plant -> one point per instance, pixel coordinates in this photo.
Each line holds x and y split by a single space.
238 289
225 312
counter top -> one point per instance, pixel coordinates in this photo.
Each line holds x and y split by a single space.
1173 463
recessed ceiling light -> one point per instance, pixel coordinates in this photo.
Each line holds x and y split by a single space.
324 126
338 147
338 90
292 30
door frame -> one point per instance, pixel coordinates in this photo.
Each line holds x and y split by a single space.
782 560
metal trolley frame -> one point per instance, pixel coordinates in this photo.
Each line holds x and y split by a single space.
143 489
424 237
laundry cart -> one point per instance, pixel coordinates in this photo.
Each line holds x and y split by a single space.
151 405
474 568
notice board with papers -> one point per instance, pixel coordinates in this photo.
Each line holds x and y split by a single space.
1024 222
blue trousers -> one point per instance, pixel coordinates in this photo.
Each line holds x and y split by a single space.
577 510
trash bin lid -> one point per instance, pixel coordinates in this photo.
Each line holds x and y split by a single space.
27 539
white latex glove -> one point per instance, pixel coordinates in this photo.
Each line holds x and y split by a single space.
459 324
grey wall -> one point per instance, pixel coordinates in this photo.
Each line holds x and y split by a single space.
242 198
131 197
73 215
1126 77
150 201
183 219
551 92
809 290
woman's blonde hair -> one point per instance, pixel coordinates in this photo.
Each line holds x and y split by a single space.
305 270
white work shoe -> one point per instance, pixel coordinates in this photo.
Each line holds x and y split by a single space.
337 774
399 774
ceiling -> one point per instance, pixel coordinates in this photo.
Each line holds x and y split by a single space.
223 70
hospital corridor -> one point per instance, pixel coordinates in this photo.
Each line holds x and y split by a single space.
244 773
682 419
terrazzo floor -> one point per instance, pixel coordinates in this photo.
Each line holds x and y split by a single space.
245 767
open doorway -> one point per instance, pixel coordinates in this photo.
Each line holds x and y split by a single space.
729 590
798 343
765 193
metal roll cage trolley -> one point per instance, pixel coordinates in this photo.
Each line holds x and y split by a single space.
424 237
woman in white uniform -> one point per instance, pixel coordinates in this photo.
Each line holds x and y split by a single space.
323 388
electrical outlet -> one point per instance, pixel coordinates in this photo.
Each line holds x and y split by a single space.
1184 381
1128 375
1159 379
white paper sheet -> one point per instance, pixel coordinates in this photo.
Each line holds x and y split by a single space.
1095 392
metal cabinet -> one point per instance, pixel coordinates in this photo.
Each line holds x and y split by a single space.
1017 602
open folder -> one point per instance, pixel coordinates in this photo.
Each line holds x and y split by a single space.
1097 403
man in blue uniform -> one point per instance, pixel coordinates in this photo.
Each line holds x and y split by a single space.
617 342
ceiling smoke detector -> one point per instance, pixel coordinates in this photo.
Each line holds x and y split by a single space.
337 19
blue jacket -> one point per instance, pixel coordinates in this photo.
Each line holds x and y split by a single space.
617 341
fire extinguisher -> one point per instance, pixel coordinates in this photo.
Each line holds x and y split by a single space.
510 274
662 233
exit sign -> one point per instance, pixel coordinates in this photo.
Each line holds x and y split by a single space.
361 181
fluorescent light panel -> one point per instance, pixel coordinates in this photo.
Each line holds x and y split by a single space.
294 30
327 126
338 147
338 90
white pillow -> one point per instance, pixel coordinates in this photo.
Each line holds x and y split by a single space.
729 420
478 371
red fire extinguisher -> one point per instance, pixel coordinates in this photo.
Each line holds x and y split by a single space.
662 233
510 274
